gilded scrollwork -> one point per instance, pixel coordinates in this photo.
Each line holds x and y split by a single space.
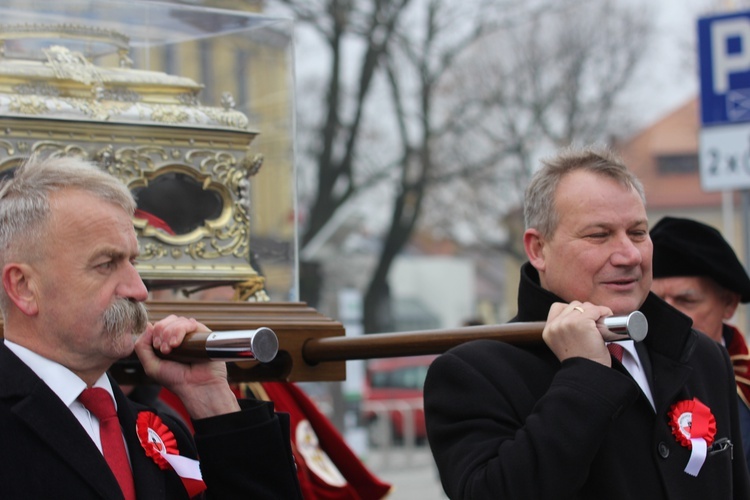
252 290
105 156
188 99
217 163
251 165
169 114
57 147
153 251
28 105
222 244
36 88
227 117
8 146
71 65
130 163
136 167
121 95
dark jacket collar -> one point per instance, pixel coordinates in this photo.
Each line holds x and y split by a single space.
47 417
669 331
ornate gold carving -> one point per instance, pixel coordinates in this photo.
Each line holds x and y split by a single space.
169 114
144 127
8 146
54 78
28 105
36 88
120 95
252 290
153 251
71 65
217 171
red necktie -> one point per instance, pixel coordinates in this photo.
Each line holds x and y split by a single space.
616 350
99 402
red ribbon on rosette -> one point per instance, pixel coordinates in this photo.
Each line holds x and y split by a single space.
694 426
160 444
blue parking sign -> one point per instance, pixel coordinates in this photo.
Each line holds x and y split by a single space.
724 53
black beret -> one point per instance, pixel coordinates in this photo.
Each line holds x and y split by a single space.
684 247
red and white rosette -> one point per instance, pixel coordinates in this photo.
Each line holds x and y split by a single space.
694 426
161 445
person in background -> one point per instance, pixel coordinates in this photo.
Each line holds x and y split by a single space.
696 271
579 416
72 304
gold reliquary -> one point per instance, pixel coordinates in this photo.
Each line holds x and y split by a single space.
192 108
73 89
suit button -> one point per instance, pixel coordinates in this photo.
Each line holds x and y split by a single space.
663 450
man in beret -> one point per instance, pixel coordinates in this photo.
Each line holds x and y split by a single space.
696 271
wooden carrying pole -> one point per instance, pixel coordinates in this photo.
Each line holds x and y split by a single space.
386 345
633 326
313 347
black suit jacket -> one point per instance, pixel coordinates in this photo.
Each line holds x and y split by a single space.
46 453
513 422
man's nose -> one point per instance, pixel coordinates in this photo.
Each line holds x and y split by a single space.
626 253
132 286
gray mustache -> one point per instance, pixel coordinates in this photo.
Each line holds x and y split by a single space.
125 316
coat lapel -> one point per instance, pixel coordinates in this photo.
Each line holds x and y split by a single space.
670 344
46 416
149 479
671 377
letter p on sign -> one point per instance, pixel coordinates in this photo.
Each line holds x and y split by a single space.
730 47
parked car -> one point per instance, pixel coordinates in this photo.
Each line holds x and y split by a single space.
394 388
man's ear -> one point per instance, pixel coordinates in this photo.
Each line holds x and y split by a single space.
533 243
17 281
732 301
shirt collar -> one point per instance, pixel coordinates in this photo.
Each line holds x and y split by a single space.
629 346
63 382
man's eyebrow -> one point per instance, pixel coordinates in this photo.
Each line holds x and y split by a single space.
596 225
639 223
112 253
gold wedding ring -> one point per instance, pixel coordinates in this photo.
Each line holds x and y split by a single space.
579 309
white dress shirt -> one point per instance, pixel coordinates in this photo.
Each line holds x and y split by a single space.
632 364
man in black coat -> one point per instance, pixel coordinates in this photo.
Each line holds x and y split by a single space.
72 304
697 272
564 419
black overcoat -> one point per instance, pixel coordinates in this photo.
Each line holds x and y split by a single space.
46 453
510 422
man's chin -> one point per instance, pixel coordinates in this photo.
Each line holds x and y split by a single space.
623 305
123 345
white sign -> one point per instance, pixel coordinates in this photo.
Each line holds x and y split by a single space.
725 157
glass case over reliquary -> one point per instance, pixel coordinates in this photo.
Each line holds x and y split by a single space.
127 85
192 108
